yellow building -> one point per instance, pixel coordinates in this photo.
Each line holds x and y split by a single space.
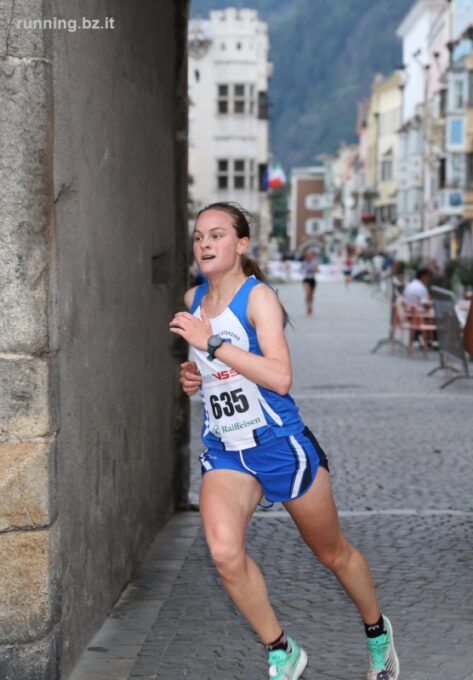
384 120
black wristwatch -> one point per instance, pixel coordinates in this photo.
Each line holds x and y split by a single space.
213 343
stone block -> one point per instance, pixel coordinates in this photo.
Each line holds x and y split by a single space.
24 485
33 661
26 203
15 36
25 612
24 406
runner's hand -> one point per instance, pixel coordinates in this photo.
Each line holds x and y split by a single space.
190 378
195 331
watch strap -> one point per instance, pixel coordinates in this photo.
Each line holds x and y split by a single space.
211 349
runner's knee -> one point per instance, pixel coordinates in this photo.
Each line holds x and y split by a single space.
227 555
335 556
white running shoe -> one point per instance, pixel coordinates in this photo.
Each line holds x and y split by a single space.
287 665
384 664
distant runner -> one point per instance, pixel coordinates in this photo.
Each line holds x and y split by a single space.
310 268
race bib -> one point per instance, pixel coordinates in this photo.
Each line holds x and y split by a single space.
233 408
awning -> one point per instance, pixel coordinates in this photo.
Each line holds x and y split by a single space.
430 233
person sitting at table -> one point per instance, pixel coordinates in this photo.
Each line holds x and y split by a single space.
416 293
418 304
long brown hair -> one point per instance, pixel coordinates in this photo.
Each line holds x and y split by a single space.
241 220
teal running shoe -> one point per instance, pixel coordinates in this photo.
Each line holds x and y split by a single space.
384 664
287 665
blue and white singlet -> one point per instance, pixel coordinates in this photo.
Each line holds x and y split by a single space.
238 413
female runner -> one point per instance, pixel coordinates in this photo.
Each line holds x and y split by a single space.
309 282
256 442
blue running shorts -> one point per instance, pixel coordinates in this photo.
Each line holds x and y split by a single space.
285 467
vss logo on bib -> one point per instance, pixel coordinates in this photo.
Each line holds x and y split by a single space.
224 375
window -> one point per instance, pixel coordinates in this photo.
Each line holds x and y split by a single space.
251 100
222 174
419 140
386 170
263 106
470 88
455 199
456 170
402 201
415 139
415 201
458 98
311 226
443 103
455 131
314 202
442 173
262 176
389 121
239 174
252 174
469 171
222 98
403 146
239 99
419 199
236 173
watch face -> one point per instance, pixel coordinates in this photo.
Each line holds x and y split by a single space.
215 341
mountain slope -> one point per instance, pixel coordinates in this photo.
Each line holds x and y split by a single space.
325 54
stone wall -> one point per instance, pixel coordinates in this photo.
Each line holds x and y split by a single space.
93 429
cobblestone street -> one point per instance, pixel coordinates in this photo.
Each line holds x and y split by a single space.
401 457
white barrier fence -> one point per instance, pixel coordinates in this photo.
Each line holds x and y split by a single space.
290 270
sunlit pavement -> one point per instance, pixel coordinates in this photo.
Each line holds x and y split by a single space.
401 457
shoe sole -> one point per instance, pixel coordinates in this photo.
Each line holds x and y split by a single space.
301 665
396 659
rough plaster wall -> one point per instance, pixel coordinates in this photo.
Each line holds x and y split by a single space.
114 177
120 191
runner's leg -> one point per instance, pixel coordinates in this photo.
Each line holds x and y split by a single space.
316 517
227 501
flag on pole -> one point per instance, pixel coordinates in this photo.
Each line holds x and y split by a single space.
276 176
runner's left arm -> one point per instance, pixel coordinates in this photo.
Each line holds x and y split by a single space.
273 369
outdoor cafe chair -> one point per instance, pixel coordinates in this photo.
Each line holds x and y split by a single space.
416 323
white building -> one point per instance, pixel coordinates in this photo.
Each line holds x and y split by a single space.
228 108
415 32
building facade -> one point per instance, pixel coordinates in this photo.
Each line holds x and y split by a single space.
435 197
459 127
383 122
228 108
414 32
310 207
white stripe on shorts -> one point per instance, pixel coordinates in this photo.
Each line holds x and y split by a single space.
245 465
205 463
302 466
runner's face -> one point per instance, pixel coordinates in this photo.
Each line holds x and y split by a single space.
217 248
